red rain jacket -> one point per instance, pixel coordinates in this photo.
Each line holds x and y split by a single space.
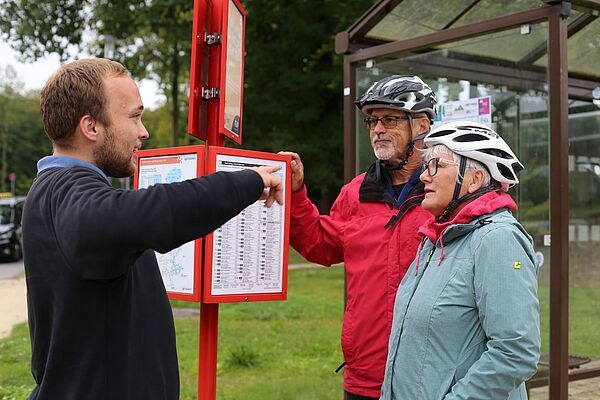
376 240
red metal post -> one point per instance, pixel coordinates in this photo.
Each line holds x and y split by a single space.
214 138
207 354
209 313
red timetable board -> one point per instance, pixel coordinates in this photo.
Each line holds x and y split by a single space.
180 268
246 259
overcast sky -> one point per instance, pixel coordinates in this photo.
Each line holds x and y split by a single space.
35 75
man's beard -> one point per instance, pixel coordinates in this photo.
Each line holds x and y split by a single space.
384 153
109 160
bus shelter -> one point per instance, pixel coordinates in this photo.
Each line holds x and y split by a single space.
538 64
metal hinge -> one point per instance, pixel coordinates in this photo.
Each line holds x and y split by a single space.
212 39
210 93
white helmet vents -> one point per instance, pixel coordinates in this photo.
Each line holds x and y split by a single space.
478 142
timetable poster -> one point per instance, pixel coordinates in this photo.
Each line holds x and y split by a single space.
177 267
234 76
249 252
231 75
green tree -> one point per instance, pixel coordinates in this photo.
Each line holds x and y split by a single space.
152 38
293 93
20 133
294 84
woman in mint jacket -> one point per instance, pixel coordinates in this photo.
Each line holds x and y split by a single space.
466 317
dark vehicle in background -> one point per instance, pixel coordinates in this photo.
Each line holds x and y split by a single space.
11 233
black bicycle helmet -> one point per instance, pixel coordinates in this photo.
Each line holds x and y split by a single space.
407 93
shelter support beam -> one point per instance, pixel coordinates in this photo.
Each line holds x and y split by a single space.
349 120
559 203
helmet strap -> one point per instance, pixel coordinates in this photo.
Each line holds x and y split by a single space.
492 187
459 178
455 202
409 150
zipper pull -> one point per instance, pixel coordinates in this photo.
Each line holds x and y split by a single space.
429 256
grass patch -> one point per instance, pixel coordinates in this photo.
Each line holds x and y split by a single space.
295 258
242 357
584 320
289 349
16 382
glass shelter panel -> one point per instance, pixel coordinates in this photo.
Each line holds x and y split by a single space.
584 235
584 50
510 45
412 18
487 9
518 110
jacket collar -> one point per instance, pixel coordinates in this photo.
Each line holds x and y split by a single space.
66 162
467 219
377 187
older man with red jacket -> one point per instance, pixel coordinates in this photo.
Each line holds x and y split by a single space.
372 226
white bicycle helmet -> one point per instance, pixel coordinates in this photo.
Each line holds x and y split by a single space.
478 142
407 93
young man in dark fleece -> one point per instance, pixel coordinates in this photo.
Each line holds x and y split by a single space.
100 321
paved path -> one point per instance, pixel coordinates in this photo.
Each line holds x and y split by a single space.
13 297
586 389
10 270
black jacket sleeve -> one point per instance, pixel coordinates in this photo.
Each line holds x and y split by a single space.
102 230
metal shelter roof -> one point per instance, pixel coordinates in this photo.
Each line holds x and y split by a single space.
507 54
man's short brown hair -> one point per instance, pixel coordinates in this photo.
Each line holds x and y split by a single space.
74 90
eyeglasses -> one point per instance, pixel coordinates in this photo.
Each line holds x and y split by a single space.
389 122
431 166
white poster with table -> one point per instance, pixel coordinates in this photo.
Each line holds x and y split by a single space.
246 259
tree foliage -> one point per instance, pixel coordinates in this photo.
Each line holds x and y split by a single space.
152 38
293 95
37 28
21 133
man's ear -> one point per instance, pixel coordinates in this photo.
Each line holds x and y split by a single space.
88 126
420 126
476 181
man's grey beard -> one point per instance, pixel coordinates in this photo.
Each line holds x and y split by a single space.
384 154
